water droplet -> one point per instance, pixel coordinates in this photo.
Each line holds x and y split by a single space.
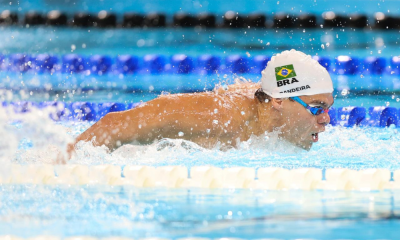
208 130
215 110
266 100
327 44
397 99
180 134
215 121
322 46
140 126
242 112
345 92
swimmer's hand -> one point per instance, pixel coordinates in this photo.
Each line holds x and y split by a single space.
62 158
70 150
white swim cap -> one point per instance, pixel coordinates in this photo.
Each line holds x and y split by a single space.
293 73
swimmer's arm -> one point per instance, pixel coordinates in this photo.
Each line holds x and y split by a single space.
142 124
118 128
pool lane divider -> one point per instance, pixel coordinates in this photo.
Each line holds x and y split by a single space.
88 111
270 178
183 64
228 20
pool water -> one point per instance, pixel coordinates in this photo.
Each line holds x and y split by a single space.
222 42
265 6
138 213
30 210
102 211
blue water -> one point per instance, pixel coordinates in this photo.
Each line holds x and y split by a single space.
222 42
218 7
138 213
29 211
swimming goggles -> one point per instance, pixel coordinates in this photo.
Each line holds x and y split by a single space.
312 110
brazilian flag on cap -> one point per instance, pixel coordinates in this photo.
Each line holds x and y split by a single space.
284 72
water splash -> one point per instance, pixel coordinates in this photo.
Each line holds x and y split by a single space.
34 138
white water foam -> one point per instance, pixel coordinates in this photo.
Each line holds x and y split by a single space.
32 136
356 148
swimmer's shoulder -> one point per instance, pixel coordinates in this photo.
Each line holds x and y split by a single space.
238 99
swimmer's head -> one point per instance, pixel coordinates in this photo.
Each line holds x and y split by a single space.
293 73
289 75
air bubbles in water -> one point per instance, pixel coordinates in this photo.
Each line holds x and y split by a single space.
180 134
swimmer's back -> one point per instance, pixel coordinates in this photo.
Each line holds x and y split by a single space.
196 117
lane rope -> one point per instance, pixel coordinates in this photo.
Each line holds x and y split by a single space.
228 20
183 64
271 178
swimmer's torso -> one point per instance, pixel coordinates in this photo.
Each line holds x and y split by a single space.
221 117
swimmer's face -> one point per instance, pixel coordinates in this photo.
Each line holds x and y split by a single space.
300 127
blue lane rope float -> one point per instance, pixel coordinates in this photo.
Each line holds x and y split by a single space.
89 111
183 64
230 20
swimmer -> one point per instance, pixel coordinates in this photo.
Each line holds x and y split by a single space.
293 99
